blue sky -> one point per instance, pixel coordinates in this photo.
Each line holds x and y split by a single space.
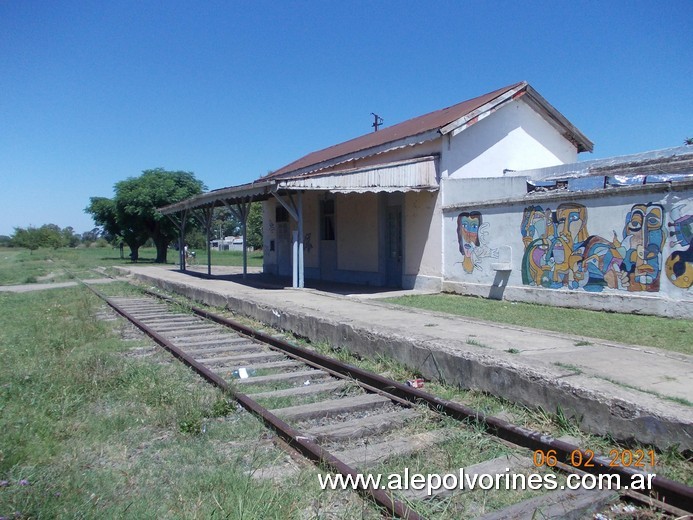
94 92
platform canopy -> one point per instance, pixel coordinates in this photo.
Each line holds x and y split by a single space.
416 174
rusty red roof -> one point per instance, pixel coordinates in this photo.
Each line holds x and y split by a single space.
411 127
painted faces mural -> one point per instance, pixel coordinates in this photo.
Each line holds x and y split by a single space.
560 252
643 240
472 238
679 265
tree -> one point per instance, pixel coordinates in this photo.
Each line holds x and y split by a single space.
226 222
91 236
48 235
27 237
254 226
105 214
133 214
70 238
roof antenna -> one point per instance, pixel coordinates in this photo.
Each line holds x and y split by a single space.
377 121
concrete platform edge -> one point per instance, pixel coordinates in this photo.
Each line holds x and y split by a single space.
624 417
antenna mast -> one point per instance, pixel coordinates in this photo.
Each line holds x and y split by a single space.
377 121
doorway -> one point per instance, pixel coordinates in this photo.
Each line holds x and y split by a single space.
393 242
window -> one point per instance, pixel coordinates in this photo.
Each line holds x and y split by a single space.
280 214
327 219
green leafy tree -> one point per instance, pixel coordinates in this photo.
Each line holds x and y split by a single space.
51 236
117 231
70 238
226 223
133 214
88 237
254 226
29 238
48 235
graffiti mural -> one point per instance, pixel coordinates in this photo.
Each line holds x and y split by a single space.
643 240
679 265
560 252
472 237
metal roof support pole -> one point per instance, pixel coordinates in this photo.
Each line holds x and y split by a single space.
243 209
241 213
206 221
290 206
180 225
209 215
294 264
299 207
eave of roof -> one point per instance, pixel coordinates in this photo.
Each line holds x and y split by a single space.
259 190
666 161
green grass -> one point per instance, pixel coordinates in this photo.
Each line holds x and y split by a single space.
653 331
568 366
20 266
88 429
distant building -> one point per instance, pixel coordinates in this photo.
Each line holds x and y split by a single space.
228 244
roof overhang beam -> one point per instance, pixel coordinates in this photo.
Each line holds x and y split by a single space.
483 111
236 194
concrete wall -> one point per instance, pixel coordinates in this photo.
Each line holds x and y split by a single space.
422 241
515 137
606 250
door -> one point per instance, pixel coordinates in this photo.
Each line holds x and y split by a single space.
328 242
393 241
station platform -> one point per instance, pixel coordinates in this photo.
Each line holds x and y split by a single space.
629 392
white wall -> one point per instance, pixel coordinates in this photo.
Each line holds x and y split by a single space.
422 240
357 232
515 137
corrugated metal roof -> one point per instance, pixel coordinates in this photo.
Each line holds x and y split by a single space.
410 175
427 127
667 161
243 193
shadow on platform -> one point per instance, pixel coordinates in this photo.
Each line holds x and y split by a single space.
272 282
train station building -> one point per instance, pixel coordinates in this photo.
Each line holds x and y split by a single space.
485 197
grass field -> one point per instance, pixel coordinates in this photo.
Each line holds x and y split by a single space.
19 266
96 424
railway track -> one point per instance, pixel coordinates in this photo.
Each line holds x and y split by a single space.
350 421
